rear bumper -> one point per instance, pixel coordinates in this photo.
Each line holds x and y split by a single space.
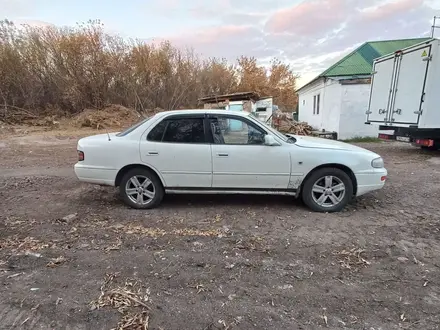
96 175
370 181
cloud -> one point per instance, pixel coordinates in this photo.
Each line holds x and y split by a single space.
311 34
391 9
228 41
308 18
16 7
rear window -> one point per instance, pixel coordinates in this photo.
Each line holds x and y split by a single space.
132 128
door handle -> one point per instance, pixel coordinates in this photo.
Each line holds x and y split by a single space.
152 153
222 154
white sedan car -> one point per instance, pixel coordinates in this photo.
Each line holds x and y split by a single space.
225 152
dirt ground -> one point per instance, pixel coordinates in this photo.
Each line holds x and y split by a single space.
217 262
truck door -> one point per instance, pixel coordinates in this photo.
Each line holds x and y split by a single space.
381 90
409 89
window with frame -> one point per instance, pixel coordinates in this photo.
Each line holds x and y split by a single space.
178 130
316 103
235 131
156 134
132 128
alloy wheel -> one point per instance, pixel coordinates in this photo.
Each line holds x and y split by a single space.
328 191
140 190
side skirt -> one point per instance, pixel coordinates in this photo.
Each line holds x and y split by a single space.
230 191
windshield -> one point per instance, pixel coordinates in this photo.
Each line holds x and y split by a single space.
132 128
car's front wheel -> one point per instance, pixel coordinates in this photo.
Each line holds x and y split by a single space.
327 190
141 189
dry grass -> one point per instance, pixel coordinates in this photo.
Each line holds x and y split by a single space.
23 244
134 321
55 262
352 259
129 299
157 232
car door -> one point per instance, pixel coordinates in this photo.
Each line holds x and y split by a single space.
177 148
241 160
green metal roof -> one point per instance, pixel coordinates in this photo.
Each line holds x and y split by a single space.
360 61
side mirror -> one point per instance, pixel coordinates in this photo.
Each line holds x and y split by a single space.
269 140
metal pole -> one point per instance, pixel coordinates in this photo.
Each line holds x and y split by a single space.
434 26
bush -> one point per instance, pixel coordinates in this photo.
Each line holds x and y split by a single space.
66 70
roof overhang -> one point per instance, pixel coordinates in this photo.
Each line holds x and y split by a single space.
346 80
230 97
309 83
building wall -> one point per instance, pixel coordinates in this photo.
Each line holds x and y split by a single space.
354 104
265 109
330 113
247 105
218 105
305 103
330 98
342 108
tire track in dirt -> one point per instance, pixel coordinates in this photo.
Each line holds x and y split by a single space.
13 318
38 171
19 318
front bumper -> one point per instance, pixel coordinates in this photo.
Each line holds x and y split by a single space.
370 181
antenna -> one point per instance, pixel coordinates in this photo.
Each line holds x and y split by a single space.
108 135
433 27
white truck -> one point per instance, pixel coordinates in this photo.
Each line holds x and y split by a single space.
405 95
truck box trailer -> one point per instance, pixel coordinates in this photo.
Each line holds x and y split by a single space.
405 95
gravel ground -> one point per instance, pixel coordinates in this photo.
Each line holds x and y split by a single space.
72 256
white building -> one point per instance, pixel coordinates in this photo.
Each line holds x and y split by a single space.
262 108
338 98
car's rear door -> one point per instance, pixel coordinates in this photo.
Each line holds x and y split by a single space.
240 160
177 148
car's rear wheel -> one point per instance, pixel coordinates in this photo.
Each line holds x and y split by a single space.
141 189
432 148
327 190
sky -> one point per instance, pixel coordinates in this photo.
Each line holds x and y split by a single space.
310 35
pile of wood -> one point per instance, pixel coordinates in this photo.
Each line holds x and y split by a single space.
295 127
112 116
15 115
284 123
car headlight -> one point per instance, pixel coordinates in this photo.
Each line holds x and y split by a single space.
377 162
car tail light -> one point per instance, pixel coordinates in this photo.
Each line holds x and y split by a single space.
383 178
384 136
425 142
80 156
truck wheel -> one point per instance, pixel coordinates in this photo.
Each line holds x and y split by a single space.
141 189
327 190
433 148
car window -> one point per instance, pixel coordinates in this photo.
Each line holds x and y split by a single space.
156 134
132 128
274 131
184 130
228 130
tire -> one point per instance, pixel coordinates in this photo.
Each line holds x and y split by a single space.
433 148
153 188
311 193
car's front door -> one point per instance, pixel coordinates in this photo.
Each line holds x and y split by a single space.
241 160
177 148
